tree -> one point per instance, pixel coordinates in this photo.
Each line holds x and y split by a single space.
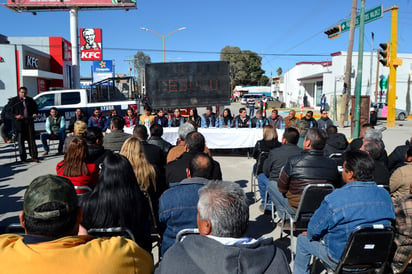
139 62
279 71
245 66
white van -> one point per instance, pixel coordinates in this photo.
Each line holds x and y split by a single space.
257 97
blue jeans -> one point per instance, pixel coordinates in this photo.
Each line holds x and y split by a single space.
262 183
280 202
45 136
251 111
304 249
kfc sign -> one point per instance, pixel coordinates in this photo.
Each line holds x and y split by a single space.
32 62
90 44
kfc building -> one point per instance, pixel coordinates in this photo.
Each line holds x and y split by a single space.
38 63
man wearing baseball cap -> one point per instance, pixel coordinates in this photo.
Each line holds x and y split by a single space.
51 219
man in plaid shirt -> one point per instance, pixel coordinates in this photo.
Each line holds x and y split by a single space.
403 233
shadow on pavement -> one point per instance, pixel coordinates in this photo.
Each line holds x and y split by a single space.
8 170
10 202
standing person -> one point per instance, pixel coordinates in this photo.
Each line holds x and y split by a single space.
194 116
22 111
78 116
324 122
251 104
263 105
130 120
305 100
323 103
55 128
97 120
161 118
358 202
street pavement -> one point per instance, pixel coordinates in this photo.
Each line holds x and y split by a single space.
15 177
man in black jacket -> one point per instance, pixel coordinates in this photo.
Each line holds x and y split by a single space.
156 132
176 170
22 111
78 116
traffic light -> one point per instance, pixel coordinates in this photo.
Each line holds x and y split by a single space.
384 54
333 32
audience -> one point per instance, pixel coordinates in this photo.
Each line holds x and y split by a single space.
156 132
98 120
221 247
76 168
51 219
116 137
79 131
153 153
400 182
308 167
302 126
336 142
95 148
177 205
176 170
117 201
55 128
397 157
358 202
309 118
276 160
324 122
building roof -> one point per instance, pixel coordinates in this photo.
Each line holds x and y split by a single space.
315 76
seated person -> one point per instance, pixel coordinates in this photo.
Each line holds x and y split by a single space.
78 116
403 230
130 120
227 118
147 118
269 141
242 120
161 118
291 119
209 118
308 167
116 137
397 157
75 166
95 149
221 247
51 218
156 132
55 128
276 120
309 118
177 205
98 120
381 173
259 121
336 142
177 119
324 122
400 181
79 130
358 202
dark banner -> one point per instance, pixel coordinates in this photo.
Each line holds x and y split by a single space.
188 84
32 5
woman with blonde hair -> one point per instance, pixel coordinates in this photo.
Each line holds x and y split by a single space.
269 141
79 131
148 176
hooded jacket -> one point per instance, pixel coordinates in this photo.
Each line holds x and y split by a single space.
201 254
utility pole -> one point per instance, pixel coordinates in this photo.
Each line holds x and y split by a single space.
370 75
347 83
377 76
358 86
394 62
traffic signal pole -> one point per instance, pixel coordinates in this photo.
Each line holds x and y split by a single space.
358 85
394 62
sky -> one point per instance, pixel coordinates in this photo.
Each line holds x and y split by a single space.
283 33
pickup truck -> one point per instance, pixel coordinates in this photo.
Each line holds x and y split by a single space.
67 101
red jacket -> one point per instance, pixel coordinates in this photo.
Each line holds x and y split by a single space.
84 180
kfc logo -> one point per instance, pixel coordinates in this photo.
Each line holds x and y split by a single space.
91 55
90 44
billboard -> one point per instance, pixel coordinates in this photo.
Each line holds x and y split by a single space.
90 44
102 70
188 84
38 5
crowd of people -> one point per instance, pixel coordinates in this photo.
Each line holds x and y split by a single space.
145 184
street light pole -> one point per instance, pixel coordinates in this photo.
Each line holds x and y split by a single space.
163 38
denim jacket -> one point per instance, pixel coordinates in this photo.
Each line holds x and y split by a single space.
178 209
355 204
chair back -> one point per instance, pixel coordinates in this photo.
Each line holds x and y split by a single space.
185 232
312 197
112 232
338 157
81 190
368 248
260 160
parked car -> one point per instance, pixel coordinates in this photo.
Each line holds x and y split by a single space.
401 114
272 103
244 98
